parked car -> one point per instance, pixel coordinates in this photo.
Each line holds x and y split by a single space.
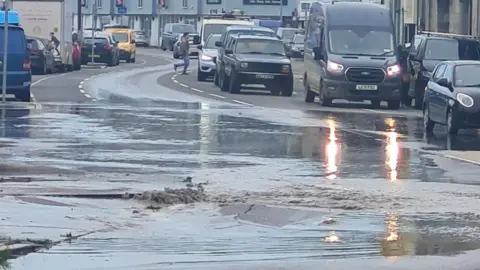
286 34
105 49
256 60
172 32
19 75
429 49
452 96
296 46
41 56
141 39
126 42
192 40
207 58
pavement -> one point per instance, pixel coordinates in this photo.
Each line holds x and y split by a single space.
138 167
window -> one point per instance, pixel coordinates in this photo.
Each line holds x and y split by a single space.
214 2
448 73
182 28
260 47
140 3
185 3
439 72
16 40
120 37
467 75
361 40
211 41
415 46
99 3
441 49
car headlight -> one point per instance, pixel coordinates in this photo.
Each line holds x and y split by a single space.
206 57
465 100
244 65
285 68
334 67
393 70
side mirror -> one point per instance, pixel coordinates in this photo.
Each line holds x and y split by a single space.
317 53
444 82
199 46
218 44
228 51
279 37
407 46
133 41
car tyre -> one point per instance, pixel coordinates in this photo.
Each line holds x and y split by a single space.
234 85
215 78
452 127
394 104
224 82
324 101
376 104
418 97
309 95
24 96
162 46
133 60
428 124
288 91
201 77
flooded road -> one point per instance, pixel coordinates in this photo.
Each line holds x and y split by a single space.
341 187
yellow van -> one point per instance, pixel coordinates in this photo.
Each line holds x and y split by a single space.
126 42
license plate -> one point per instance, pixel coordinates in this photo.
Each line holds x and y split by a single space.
265 76
95 56
366 87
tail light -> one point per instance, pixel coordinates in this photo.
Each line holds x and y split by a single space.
26 65
108 46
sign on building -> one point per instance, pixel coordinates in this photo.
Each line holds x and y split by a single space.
265 2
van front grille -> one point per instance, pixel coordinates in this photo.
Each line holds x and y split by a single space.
365 75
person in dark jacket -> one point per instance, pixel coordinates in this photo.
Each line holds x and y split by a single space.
55 41
184 52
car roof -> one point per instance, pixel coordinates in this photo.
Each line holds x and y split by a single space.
256 37
463 62
346 13
248 27
227 21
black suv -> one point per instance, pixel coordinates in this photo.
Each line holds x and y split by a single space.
253 59
429 49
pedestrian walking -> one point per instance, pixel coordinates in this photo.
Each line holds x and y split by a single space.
183 52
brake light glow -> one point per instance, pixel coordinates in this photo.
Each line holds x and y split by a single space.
26 65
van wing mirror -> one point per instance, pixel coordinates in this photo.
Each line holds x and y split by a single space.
228 51
218 44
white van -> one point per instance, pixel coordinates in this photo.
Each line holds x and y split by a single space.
218 25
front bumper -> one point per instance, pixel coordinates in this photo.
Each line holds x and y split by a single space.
207 66
194 51
343 89
467 117
102 58
277 79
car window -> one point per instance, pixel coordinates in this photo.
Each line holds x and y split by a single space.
40 45
260 46
16 40
211 41
467 75
448 73
120 37
439 72
182 28
90 41
209 29
298 39
33 43
167 27
415 46
441 49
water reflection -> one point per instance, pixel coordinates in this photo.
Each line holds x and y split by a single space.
395 244
331 152
392 150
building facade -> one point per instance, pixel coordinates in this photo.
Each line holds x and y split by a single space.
151 15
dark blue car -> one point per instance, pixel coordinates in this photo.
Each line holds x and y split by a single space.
19 76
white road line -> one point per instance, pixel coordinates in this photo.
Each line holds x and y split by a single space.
374 111
184 85
82 91
175 81
197 90
87 95
218 96
462 159
241 102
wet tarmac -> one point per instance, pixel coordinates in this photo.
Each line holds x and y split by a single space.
390 191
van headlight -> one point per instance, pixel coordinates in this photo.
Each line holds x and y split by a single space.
334 67
465 100
206 57
393 70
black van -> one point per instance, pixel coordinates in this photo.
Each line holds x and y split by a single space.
351 53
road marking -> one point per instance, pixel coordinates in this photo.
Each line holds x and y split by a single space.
462 159
175 81
87 95
218 96
197 90
241 102
184 85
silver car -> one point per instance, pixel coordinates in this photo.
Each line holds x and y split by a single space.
207 58
141 38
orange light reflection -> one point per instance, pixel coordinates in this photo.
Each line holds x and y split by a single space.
331 152
392 150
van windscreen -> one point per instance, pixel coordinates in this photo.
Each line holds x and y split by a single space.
361 40
16 40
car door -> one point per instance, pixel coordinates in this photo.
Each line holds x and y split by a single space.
229 59
166 35
46 52
414 64
434 94
444 95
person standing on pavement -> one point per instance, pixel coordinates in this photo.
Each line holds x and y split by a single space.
183 52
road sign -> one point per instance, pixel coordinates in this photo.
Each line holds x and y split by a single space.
122 10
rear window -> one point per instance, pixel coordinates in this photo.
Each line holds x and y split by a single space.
33 43
16 40
120 37
253 32
90 41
